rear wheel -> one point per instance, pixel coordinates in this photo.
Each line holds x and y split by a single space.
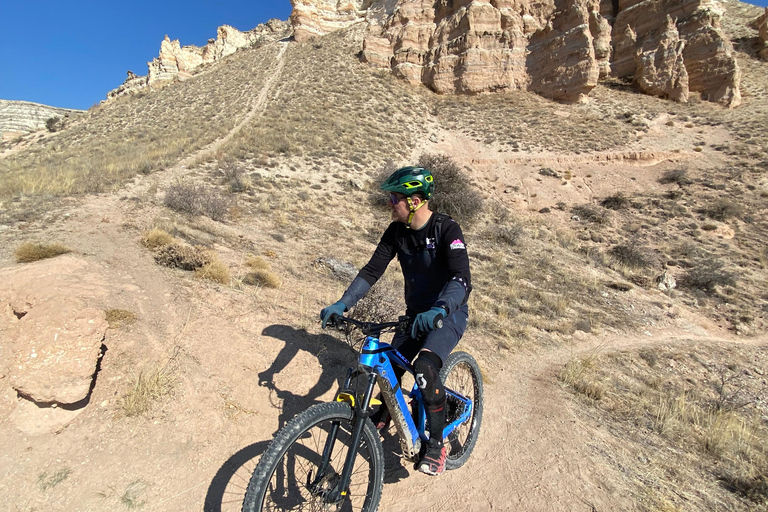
461 373
284 477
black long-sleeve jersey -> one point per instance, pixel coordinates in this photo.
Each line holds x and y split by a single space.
433 259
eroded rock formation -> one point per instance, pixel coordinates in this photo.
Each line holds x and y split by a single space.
176 62
20 117
557 48
762 27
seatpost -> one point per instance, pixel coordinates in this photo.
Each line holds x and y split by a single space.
361 416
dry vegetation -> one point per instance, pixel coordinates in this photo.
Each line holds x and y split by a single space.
691 414
135 135
34 251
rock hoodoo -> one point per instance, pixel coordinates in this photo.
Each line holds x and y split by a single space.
177 62
557 48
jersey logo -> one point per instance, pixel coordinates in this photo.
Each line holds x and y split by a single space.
457 244
430 243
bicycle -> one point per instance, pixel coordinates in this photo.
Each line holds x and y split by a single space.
309 464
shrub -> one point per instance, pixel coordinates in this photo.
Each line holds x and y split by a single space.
678 176
257 262
382 303
707 274
235 178
630 255
723 209
33 251
509 235
120 318
176 255
615 202
262 277
156 238
54 124
454 193
591 213
196 200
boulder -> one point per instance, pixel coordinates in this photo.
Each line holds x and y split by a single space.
54 331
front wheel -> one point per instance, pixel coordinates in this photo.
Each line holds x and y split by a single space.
286 477
461 373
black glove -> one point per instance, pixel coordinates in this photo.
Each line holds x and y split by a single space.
425 322
336 309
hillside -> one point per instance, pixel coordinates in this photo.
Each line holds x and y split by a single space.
602 391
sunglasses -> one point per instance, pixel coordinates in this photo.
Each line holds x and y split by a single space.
393 199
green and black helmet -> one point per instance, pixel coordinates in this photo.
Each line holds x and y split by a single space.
409 180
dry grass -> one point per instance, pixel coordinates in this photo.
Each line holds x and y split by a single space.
118 318
703 406
215 270
137 135
146 389
34 251
47 480
156 238
262 277
582 375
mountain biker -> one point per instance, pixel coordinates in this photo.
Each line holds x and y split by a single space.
433 256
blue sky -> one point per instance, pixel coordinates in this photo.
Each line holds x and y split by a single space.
71 53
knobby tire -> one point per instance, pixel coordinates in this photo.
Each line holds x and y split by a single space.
279 481
461 373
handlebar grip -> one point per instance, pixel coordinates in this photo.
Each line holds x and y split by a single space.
438 323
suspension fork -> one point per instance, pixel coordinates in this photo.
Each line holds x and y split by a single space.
359 418
330 442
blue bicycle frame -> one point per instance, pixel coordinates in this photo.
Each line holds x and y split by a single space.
376 358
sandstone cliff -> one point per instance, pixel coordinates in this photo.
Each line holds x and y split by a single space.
762 24
557 48
19 117
176 62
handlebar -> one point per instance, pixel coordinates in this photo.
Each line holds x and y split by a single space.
402 325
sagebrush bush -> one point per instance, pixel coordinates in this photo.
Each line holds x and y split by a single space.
678 176
591 213
723 209
615 202
454 193
509 235
630 255
177 255
196 200
34 251
705 275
